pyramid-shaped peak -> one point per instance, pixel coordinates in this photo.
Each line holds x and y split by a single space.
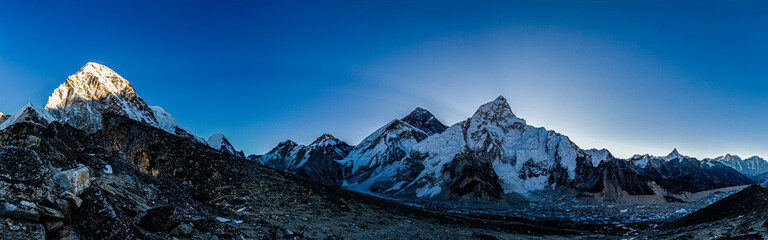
674 154
326 139
422 119
92 82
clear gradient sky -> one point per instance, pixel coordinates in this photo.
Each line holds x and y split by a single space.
632 77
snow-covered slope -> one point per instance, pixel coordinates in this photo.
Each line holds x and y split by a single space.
375 159
219 142
491 154
95 89
598 155
316 161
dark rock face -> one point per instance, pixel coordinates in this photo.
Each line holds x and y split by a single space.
98 218
689 174
614 177
424 120
747 201
473 178
21 165
159 219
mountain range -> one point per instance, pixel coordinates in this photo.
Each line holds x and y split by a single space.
99 153
495 156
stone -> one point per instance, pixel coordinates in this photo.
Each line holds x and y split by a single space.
183 230
49 213
21 165
23 210
53 225
75 180
159 219
72 198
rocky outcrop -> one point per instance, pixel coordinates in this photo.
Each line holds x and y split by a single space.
21 165
28 114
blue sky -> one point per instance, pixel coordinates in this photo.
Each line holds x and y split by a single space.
629 76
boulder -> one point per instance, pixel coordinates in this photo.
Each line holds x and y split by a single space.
71 198
75 180
183 230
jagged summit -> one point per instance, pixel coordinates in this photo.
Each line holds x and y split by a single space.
674 154
92 82
326 139
496 111
424 120
753 167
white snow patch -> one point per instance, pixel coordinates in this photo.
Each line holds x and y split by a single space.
107 169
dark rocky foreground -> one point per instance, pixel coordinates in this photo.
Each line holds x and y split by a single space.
133 181
739 216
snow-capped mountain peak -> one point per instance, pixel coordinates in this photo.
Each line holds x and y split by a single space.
497 111
674 154
326 140
729 157
424 120
92 82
